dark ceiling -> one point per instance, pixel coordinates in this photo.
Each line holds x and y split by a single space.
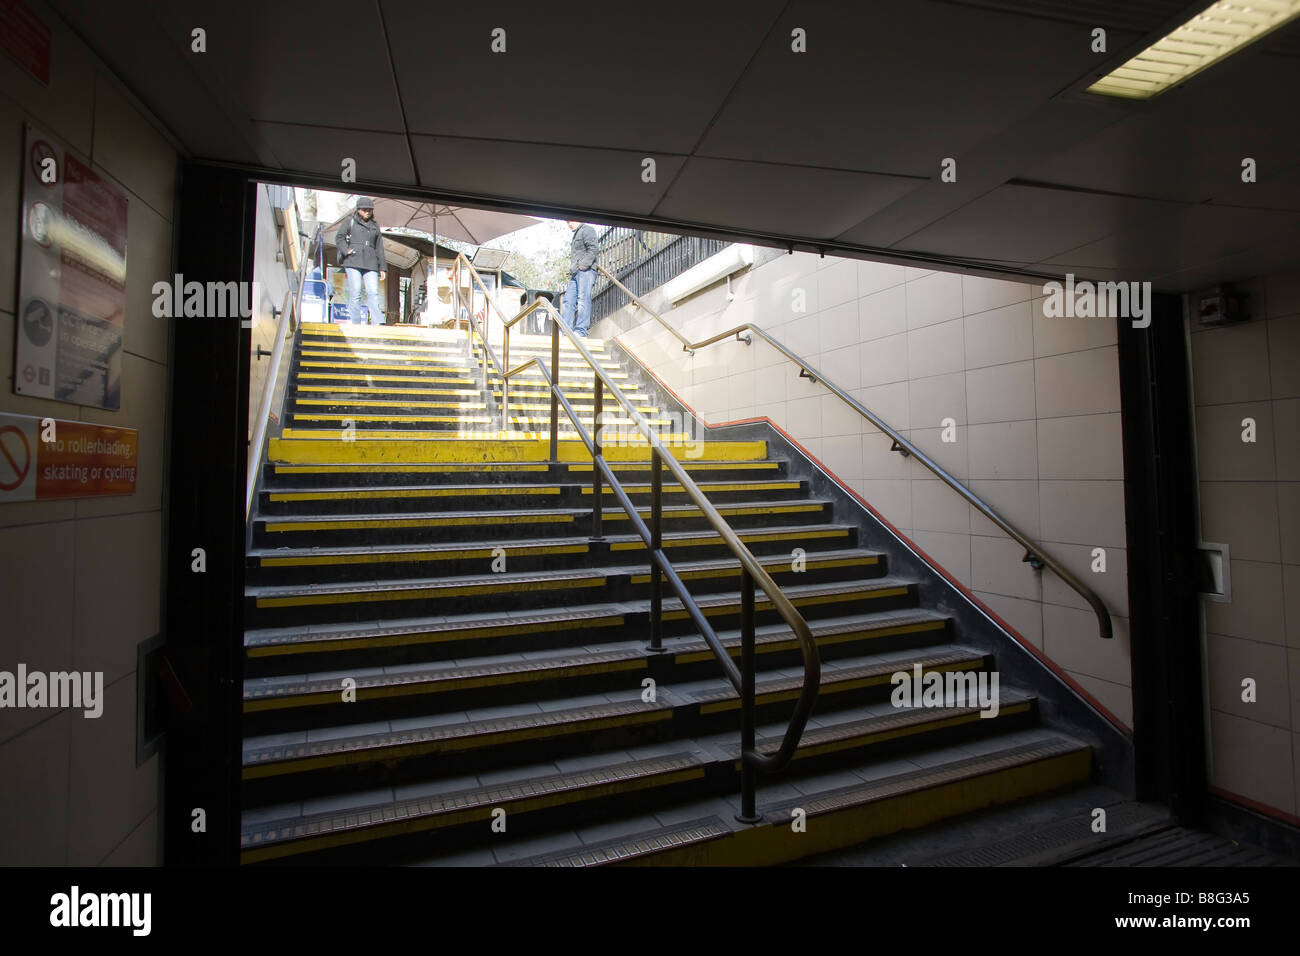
838 147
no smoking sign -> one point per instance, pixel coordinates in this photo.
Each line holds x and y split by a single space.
15 457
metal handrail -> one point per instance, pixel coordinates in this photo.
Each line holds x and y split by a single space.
292 298
742 678
1034 554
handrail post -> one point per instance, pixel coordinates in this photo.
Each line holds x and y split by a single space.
656 545
748 774
597 508
555 393
505 383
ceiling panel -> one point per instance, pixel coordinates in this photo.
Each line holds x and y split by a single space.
894 87
783 199
1181 236
1278 255
607 179
1030 224
322 62
839 144
1188 144
380 157
630 76
1138 15
1042 133
145 55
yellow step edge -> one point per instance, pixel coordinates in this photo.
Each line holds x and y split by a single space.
720 465
427 822
714 487
303 451
373 403
414 434
427 637
433 333
461 380
425 688
417 349
381 557
744 536
359 332
545 421
320 598
724 510
366 358
824 641
412 469
762 603
723 572
534 384
377 390
527 375
441 521
836 686
343 494
770 844
366 417
467 554
450 745
897 733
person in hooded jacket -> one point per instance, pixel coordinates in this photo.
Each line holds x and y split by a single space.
361 254
575 308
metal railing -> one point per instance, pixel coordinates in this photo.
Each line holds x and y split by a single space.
752 571
644 260
287 323
1034 555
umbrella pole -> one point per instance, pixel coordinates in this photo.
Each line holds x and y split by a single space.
434 298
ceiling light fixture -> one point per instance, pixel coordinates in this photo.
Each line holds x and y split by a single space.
1219 31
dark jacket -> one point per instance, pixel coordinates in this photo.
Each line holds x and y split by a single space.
366 243
582 253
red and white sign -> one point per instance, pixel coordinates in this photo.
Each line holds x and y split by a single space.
26 38
72 284
42 458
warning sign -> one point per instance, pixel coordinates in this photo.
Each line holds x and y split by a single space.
26 38
44 458
72 284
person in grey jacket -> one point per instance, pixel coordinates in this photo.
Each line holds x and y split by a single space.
361 253
576 307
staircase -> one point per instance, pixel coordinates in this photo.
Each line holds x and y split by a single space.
443 668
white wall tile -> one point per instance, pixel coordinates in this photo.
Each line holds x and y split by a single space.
1082 447
933 298
1081 383
882 313
980 294
999 336
1000 393
936 349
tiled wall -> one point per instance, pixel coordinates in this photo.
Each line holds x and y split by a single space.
80 580
1250 500
1035 401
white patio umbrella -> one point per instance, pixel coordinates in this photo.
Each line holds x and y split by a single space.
475 226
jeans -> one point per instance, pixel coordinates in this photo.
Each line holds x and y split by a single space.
370 279
578 295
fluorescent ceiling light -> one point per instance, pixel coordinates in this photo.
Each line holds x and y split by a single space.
1221 30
